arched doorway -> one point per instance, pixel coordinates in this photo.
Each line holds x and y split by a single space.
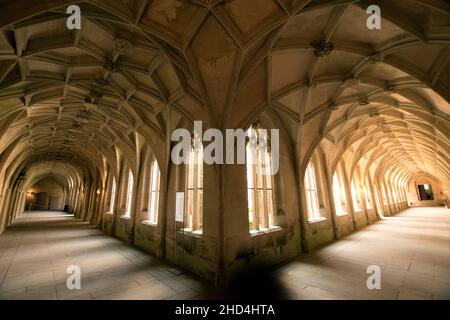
46 194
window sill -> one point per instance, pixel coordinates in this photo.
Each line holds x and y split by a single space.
190 232
315 220
109 213
124 217
342 214
264 231
149 223
358 211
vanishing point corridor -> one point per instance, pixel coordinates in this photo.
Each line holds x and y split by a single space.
37 250
224 150
412 249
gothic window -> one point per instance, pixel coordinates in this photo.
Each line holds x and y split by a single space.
153 197
194 190
260 181
311 193
129 194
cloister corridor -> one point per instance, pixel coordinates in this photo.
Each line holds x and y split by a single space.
411 248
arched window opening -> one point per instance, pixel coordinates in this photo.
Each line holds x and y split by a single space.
394 195
193 220
384 194
260 181
339 192
368 195
311 193
337 195
378 201
112 200
129 193
153 197
356 197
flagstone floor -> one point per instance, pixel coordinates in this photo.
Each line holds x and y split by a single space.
412 250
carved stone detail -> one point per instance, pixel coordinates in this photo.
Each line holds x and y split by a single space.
322 48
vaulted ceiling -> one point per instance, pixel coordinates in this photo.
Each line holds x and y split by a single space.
136 67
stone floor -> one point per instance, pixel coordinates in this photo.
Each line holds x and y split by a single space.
412 249
36 251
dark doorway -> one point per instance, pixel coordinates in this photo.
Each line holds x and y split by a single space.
42 201
425 192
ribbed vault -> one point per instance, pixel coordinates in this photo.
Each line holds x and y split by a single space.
75 101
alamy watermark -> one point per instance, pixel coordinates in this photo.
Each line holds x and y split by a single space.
374 280
374 20
213 152
73 282
258 141
74 20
